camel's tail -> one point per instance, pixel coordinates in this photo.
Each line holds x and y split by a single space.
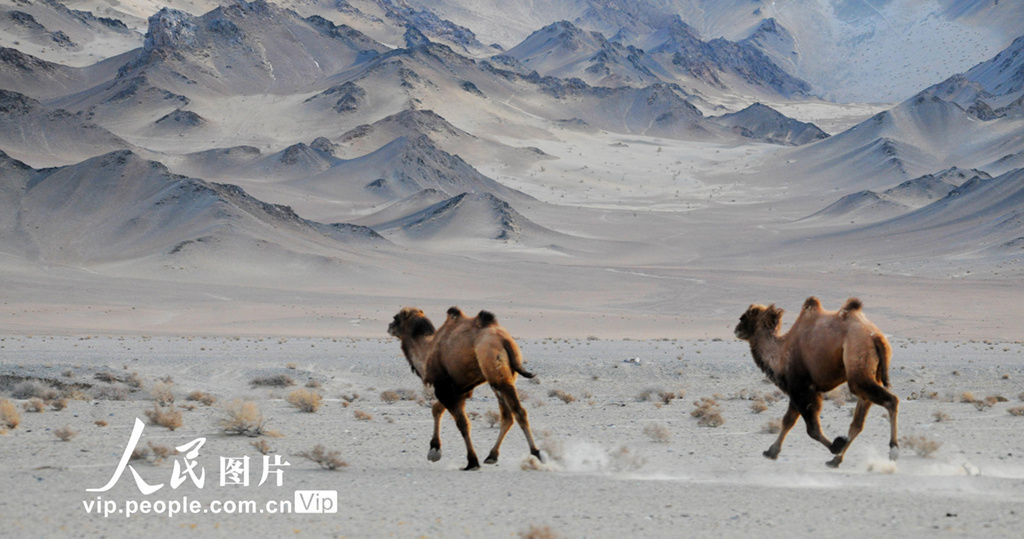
515 359
884 352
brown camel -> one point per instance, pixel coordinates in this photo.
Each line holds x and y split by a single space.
462 354
822 350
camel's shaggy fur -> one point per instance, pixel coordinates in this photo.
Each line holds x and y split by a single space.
462 354
822 350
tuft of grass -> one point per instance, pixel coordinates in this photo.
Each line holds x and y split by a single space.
162 393
277 380
562 395
9 417
922 445
328 460
940 416
110 393
493 418
201 397
58 404
243 417
773 426
657 432
361 415
538 532
758 406
100 423
1016 410
65 433
708 413
305 400
262 446
35 404
164 417
392 396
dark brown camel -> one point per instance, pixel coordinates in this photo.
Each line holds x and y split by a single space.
820 351
462 354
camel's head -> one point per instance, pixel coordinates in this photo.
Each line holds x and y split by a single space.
758 316
410 323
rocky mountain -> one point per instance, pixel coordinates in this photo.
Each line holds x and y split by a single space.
118 207
761 122
52 31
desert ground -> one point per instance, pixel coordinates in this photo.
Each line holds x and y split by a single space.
624 455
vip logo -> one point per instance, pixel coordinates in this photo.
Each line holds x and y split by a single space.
316 501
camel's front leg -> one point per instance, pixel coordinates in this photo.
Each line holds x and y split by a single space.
788 421
434 454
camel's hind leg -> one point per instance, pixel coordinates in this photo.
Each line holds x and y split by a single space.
506 424
886 399
434 454
788 421
511 398
857 425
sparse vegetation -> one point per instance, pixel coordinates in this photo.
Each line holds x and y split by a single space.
201 397
100 423
493 418
328 460
262 446
707 412
922 445
9 417
538 532
773 426
758 406
243 417
940 416
394 395
169 417
657 432
361 415
277 380
65 433
34 404
162 393
58 404
562 395
305 400
1016 410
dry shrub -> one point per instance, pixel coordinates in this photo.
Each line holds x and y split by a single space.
361 415
100 423
243 417
538 532
493 418
328 460
1016 410
707 412
9 417
773 426
262 446
35 404
350 398
996 398
277 380
313 384
291 366
967 397
162 394
152 453
758 406
201 397
922 445
58 404
657 432
110 393
31 389
565 397
305 400
65 433
940 416
394 395
164 417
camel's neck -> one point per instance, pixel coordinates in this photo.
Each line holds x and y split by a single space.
415 351
767 351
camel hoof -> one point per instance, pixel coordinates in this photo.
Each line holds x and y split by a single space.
434 454
838 444
471 466
491 459
768 453
834 463
894 453
537 454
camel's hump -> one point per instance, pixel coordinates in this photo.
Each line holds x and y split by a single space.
486 318
454 311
